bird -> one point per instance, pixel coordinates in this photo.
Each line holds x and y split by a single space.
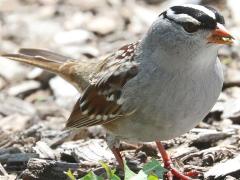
155 89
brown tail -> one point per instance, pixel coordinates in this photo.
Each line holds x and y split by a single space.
76 72
40 58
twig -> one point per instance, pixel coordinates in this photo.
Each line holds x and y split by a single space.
231 84
3 171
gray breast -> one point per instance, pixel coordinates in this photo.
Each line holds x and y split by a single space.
170 100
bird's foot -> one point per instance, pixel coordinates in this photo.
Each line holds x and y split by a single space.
173 173
118 157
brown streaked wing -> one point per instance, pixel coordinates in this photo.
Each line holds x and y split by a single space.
101 101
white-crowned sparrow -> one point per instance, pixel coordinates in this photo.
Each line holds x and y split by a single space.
155 89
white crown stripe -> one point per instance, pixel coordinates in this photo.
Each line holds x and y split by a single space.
182 17
201 8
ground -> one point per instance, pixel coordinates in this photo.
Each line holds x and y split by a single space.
35 104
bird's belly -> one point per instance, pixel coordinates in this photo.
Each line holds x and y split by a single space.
165 112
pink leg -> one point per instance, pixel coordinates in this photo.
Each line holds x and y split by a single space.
118 157
173 172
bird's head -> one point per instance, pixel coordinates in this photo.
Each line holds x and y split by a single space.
192 28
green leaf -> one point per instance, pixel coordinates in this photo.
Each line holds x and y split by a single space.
151 171
70 175
152 177
110 173
91 176
154 167
140 176
128 174
107 169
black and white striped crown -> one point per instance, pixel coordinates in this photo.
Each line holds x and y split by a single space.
205 17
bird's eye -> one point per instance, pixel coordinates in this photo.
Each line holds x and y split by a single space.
190 27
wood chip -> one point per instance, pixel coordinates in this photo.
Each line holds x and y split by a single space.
47 169
92 150
3 171
221 170
44 151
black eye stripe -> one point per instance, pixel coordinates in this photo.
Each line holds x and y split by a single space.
190 27
184 24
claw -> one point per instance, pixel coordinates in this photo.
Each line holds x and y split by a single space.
173 172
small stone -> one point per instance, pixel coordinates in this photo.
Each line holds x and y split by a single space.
77 36
230 178
89 51
77 20
234 92
10 105
79 52
7 46
72 51
49 2
218 107
232 75
4 6
15 122
154 1
102 25
2 83
145 15
232 110
39 95
40 75
24 88
11 70
88 5
36 72
65 93
235 11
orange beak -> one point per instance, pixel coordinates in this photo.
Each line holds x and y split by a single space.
220 36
